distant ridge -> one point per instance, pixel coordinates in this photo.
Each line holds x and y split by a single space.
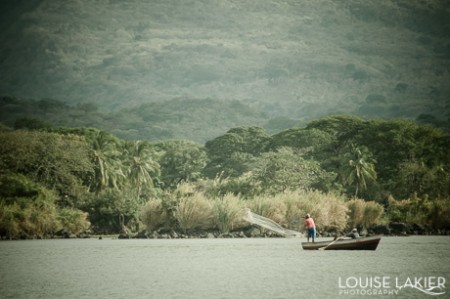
285 58
192 119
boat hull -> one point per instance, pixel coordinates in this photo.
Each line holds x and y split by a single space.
369 243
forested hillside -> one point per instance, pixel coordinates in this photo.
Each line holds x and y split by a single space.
345 170
296 59
179 115
192 119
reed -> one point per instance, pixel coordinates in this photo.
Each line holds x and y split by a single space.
273 207
228 213
191 208
355 212
290 207
363 213
193 212
372 213
336 211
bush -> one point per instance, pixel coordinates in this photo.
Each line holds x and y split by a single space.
328 210
363 213
372 213
299 203
193 212
400 210
289 209
9 220
440 214
192 209
40 220
273 207
28 220
73 221
228 213
154 215
355 212
30 212
336 212
421 211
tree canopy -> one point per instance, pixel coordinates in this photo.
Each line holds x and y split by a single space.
94 177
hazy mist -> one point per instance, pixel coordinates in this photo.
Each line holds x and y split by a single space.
298 59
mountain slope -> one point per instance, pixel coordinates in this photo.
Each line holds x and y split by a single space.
198 120
298 59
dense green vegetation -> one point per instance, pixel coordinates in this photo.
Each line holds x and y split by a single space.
204 108
193 119
345 170
296 59
199 120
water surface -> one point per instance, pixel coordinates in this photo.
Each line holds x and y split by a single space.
212 268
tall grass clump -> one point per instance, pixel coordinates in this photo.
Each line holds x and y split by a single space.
228 212
328 210
290 207
336 211
193 212
296 209
273 207
154 215
363 213
355 212
373 212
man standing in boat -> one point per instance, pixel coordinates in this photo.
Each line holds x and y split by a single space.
310 227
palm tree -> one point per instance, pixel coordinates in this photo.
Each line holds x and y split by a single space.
141 166
108 168
359 168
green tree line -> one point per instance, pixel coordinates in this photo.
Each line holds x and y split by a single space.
74 180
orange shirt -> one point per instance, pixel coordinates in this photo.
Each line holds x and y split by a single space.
310 223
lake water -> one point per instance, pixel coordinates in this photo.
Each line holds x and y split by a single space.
221 268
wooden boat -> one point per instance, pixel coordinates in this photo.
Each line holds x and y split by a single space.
369 243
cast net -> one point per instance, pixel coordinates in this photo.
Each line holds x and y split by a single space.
269 224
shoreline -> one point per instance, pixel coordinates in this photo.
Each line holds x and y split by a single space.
117 237
388 230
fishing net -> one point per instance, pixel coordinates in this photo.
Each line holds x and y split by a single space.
269 224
